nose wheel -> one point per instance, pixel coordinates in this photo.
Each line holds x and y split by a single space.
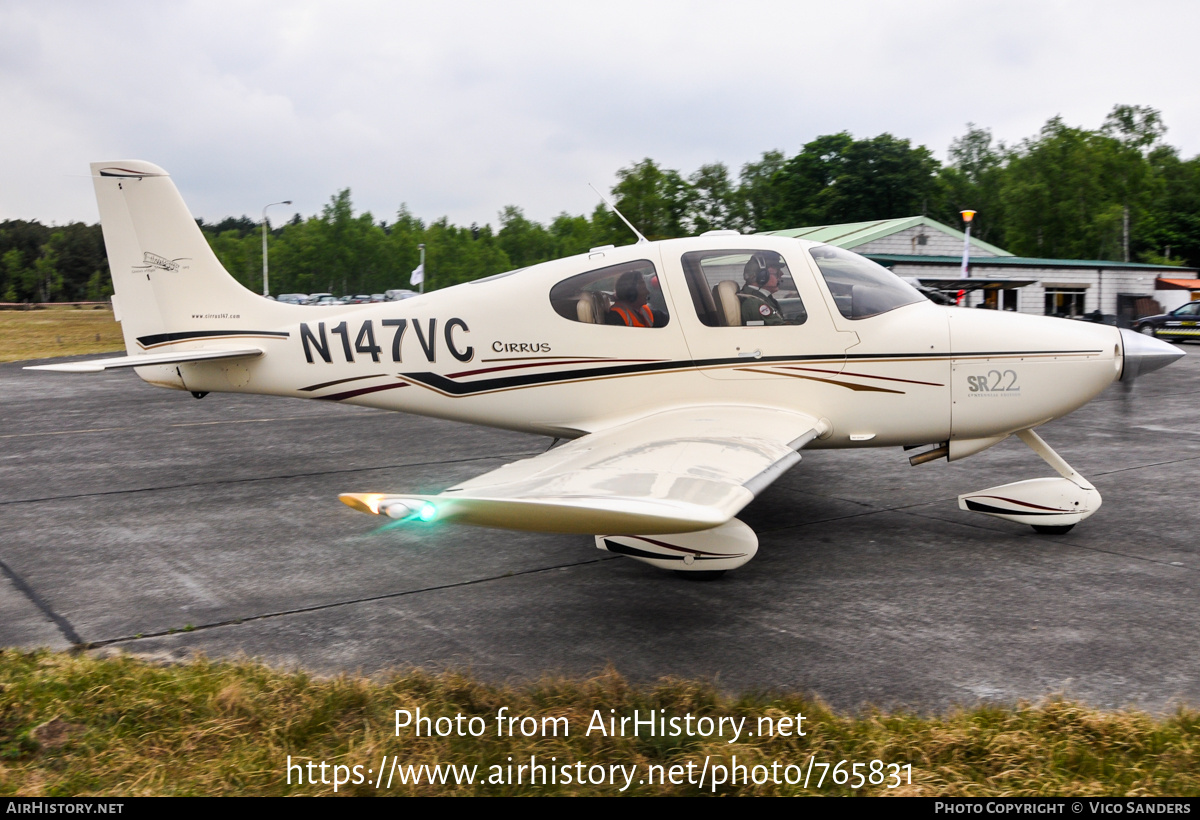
1047 530
701 575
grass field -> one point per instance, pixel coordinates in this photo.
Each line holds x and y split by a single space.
80 725
43 334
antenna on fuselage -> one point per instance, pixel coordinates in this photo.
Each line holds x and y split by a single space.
618 213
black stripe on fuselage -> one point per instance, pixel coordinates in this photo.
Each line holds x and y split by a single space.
453 388
192 335
450 387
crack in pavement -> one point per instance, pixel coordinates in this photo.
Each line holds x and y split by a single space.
252 479
334 605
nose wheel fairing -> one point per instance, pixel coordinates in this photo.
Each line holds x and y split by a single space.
1049 505
1039 502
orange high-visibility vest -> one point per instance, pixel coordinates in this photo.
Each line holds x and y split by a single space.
642 317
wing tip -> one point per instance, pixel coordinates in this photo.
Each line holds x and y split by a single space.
363 502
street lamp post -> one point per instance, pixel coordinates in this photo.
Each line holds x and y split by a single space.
966 258
266 288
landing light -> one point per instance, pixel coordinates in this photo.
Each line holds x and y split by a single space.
408 510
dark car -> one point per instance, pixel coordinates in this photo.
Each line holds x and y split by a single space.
1179 325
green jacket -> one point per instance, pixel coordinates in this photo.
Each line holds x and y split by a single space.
759 307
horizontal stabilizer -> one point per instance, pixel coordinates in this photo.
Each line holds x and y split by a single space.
176 357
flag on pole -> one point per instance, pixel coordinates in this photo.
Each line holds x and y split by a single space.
418 275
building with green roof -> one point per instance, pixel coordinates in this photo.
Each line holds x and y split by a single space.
922 249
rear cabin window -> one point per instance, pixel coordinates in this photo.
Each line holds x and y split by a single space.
742 288
625 295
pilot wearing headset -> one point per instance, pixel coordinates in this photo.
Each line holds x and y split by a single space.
762 273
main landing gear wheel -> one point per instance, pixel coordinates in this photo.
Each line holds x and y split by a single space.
701 574
1048 530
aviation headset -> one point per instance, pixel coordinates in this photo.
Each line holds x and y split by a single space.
759 268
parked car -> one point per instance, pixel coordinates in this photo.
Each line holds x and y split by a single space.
293 298
1179 325
397 294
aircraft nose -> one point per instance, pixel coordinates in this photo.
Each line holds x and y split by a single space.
1145 354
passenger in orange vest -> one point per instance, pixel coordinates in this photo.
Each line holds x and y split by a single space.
631 309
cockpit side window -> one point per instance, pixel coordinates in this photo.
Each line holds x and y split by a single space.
860 287
742 288
625 295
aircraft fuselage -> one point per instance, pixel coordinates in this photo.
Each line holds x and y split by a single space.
496 352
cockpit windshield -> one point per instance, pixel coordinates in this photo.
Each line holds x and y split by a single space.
860 287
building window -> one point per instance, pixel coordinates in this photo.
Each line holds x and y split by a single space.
1065 302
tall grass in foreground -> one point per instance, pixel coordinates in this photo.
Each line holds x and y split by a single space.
78 725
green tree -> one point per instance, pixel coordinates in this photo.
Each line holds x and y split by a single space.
1071 193
453 255
46 282
803 186
836 178
1170 230
404 235
713 200
573 234
882 178
525 242
1137 130
757 193
241 255
12 275
654 199
973 181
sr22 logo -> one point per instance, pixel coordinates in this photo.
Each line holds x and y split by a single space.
994 382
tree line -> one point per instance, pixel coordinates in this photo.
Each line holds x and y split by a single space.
1118 192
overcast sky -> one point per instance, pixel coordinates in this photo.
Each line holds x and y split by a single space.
461 108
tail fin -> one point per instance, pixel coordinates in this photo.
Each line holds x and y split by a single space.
170 288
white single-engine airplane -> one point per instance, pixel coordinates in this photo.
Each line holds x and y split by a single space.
688 373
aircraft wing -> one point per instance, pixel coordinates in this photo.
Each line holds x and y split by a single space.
675 471
176 357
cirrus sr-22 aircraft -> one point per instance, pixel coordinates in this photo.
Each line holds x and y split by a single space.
688 373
